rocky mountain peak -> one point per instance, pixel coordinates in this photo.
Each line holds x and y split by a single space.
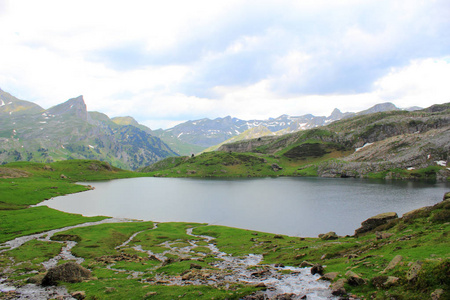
75 107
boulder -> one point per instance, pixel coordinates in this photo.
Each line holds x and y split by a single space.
305 264
383 235
437 294
329 236
393 263
79 295
375 221
330 276
68 272
354 279
276 167
317 269
337 288
414 271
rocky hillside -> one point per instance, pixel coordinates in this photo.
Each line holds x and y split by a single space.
206 133
394 144
68 131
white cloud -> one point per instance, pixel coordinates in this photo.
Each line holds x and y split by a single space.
249 59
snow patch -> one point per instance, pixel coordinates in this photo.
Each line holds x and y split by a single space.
441 163
180 135
62 146
365 145
92 147
410 168
43 122
3 103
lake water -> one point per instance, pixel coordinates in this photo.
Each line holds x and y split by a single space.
294 206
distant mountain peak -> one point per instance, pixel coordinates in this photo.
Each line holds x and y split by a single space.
74 106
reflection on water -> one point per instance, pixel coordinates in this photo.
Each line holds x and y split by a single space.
293 206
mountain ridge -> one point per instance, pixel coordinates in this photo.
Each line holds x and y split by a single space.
69 131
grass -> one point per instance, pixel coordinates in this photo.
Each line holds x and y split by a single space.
16 223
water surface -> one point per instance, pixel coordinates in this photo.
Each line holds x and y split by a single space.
293 206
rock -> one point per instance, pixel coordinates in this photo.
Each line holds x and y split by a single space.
329 236
37 279
393 263
195 266
437 294
79 295
391 280
276 167
68 272
285 297
305 264
446 196
414 271
375 221
149 294
330 276
337 288
278 236
109 290
299 256
62 176
383 235
354 279
317 269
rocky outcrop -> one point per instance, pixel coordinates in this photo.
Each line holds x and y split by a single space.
375 221
68 272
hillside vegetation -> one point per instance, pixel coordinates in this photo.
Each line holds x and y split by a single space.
395 144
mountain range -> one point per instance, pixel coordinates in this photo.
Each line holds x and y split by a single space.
68 131
204 133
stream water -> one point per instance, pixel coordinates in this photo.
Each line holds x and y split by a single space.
279 280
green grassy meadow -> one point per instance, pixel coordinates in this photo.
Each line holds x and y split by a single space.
141 267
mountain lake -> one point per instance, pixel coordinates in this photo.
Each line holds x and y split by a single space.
302 207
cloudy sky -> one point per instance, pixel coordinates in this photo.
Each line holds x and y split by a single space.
165 62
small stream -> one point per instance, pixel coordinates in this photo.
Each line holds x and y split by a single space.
278 280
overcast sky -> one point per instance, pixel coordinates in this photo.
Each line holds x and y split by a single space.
165 62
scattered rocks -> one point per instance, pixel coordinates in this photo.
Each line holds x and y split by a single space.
375 221
391 280
329 236
68 272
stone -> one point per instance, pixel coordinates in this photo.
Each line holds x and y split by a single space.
437 294
337 288
79 295
391 280
305 264
68 272
276 167
149 294
375 221
62 176
317 269
383 235
109 290
354 279
393 263
330 276
414 271
195 266
329 236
